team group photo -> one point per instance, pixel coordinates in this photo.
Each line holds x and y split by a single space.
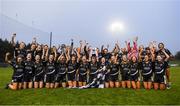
98 52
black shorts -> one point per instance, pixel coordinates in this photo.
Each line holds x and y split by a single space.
17 79
91 77
113 78
39 78
106 78
71 76
134 77
147 78
82 78
49 78
60 78
28 77
159 79
125 77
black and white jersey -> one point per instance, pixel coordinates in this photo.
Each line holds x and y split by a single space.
102 65
160 67
50 67
72 67
61 68
83 68
38 68
134 68
93 67
114 69
29 67
146 68
18 69
125 67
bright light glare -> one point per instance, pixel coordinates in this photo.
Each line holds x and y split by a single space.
116 27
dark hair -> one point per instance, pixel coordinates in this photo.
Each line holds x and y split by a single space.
161 44
147 48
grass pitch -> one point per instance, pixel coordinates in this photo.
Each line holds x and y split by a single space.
114 96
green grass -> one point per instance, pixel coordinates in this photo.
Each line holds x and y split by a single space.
89 96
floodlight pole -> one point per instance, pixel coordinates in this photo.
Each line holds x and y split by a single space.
50 41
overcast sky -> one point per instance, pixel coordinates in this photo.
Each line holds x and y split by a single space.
89 20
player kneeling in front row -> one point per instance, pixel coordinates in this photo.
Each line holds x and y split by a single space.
28 72
17 77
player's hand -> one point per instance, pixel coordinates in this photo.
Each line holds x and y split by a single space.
14 35
136 38
125 42
163 50
80 42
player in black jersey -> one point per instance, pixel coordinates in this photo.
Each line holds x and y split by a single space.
28 72
105 72
134 73
18 73
61 70
114 73
82 71
160 70
162 54
50 72
125 72
106 54
38 72
147 67
72 67
93 68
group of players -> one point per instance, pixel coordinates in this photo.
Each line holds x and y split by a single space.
68 66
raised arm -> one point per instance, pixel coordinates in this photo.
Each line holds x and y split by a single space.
68 54
128 46
6 58
13 39
167 56
71 47
135 43
45 54
55 53
152 54
90 54
97 54
117 46
102 48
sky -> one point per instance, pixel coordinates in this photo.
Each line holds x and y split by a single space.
90 20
